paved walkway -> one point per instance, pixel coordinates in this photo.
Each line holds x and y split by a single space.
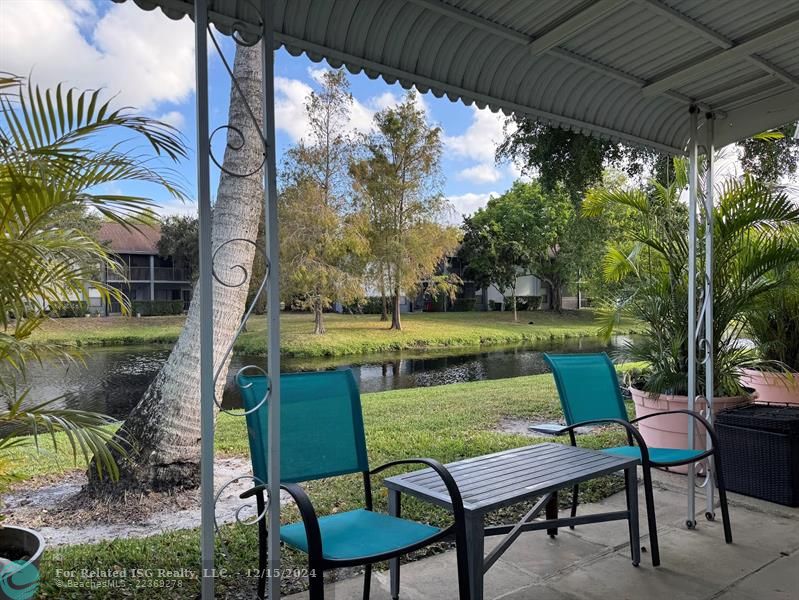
593 562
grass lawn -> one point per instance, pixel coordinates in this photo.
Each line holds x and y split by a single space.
346 334
446 422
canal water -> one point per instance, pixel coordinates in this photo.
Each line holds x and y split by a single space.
112 379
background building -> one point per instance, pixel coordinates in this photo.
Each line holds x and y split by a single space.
145 275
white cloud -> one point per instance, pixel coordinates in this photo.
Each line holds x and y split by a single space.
389 99
466 204
290 115
140 55
479 143
317 74
174 118
481 173
384 100
480 140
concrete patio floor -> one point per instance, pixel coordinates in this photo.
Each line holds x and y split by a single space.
593 562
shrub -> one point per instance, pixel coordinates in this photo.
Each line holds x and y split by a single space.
368 306
157 308
524 303
72 308
464 304
533 302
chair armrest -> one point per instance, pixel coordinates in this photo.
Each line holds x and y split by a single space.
443 473
548 428
705 423
632 433
307 513
309 519
258 489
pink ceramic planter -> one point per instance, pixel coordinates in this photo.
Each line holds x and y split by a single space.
671 431
773 388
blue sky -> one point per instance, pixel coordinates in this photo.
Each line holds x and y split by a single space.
147 60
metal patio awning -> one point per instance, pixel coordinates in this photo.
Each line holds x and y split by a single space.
621 69
648 72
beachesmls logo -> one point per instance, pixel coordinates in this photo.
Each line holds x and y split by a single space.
19 580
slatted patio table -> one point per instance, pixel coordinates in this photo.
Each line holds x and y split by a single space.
498 480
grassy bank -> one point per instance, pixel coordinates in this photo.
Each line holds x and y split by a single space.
447 422
346 334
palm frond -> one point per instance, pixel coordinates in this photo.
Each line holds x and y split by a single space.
597 200
755 225
88 434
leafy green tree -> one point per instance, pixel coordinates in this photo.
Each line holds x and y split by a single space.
529 230
54 165
398 186
322 251
772 154
180 235
322 239
559 157
502 240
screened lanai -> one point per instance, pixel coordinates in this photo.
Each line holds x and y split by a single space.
679 76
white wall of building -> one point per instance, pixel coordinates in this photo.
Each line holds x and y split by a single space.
526 285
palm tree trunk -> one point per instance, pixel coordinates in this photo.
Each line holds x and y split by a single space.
163 430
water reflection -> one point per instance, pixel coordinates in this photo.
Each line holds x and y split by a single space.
114 378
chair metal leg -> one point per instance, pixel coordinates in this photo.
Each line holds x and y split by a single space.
367 581
725 513
650 517
575 500
631 494
262 546
394 509
316 580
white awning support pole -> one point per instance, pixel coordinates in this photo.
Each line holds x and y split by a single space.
693 172
272 298
708 314
206 304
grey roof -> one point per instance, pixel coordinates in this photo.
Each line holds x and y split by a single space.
621 69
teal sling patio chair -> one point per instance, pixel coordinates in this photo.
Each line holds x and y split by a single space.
322 435
589 394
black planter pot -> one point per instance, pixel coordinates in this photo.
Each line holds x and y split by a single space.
19 580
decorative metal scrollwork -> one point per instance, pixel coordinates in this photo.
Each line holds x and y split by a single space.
233 146
245 506
239 31
704 350
246 513
244 279
703 472
241 268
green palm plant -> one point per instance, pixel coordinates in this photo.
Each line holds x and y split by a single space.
773 323
750 220
64 150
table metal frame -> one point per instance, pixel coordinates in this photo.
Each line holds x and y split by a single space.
498 480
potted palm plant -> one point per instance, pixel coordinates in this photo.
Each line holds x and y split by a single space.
54 169
650 274
773 325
